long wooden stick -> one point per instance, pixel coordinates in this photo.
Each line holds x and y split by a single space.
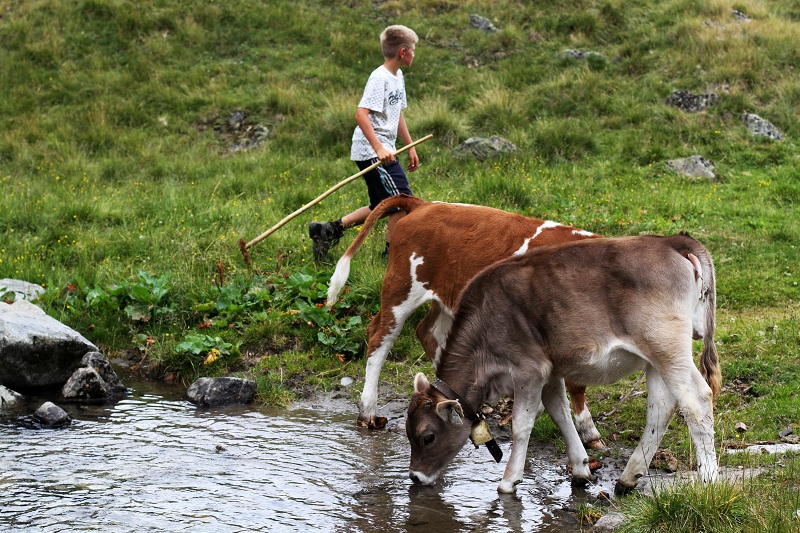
319 198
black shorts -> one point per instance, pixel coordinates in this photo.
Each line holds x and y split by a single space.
384 181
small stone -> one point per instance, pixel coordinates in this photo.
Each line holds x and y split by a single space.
482 23
693 167
346 381
740 427
758 126
49 415
8 398
691 103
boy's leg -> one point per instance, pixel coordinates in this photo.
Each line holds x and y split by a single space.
327 234
382 182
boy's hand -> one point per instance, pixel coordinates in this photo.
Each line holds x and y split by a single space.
386 156
413 160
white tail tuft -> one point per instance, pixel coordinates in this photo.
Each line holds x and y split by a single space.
338 279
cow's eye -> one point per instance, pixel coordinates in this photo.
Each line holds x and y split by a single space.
427 440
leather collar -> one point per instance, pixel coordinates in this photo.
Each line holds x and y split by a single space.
450 394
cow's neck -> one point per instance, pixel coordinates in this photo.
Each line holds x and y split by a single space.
459 374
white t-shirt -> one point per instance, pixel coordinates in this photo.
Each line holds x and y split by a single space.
385 97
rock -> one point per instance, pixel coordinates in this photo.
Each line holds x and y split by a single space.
694 167
580 54
609 522
482 148
758 126
664 460
36 350
49 415
691 103
740 16
8 398
740 427
482 23
94 381
214 392
21 289
346 381
787 431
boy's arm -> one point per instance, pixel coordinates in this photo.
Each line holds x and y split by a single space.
362 119
402 131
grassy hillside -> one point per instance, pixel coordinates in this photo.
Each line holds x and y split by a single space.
124 193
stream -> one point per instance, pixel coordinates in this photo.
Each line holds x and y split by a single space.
155 462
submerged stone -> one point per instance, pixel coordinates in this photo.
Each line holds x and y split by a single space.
49 415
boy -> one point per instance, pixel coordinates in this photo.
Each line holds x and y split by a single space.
380 119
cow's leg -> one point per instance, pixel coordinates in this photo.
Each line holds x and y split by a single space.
378 345
433 330
527 403
554 398
398 302
660 409
697 407
590 436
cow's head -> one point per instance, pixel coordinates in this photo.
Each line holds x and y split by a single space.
436 429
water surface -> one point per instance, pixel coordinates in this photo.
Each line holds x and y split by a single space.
155 462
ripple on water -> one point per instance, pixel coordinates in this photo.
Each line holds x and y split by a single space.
153 462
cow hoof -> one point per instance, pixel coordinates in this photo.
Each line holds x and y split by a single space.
596 444
620 489
379 422
507 487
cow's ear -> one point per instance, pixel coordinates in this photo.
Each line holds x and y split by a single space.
421 383
451 412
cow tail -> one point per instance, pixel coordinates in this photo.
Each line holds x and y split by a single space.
709 361
342 272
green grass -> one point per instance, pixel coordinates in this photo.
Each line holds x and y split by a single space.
749 503
116 171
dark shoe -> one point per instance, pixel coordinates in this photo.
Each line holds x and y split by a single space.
324 235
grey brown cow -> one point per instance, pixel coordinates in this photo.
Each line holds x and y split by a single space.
436 249
591 311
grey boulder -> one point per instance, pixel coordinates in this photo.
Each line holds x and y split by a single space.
213 392
94 381
8 398
36 350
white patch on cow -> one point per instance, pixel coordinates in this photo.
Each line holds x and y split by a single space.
582 232
585 426
417 295
547 224
440 331
423 479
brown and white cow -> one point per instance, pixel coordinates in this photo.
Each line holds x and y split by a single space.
592 312
436 249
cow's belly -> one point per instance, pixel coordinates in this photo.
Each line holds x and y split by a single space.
602 367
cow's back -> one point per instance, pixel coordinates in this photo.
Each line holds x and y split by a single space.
457 241
578 298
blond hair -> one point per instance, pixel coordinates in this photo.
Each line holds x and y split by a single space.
396 37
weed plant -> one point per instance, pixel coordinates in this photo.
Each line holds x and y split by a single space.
125 194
